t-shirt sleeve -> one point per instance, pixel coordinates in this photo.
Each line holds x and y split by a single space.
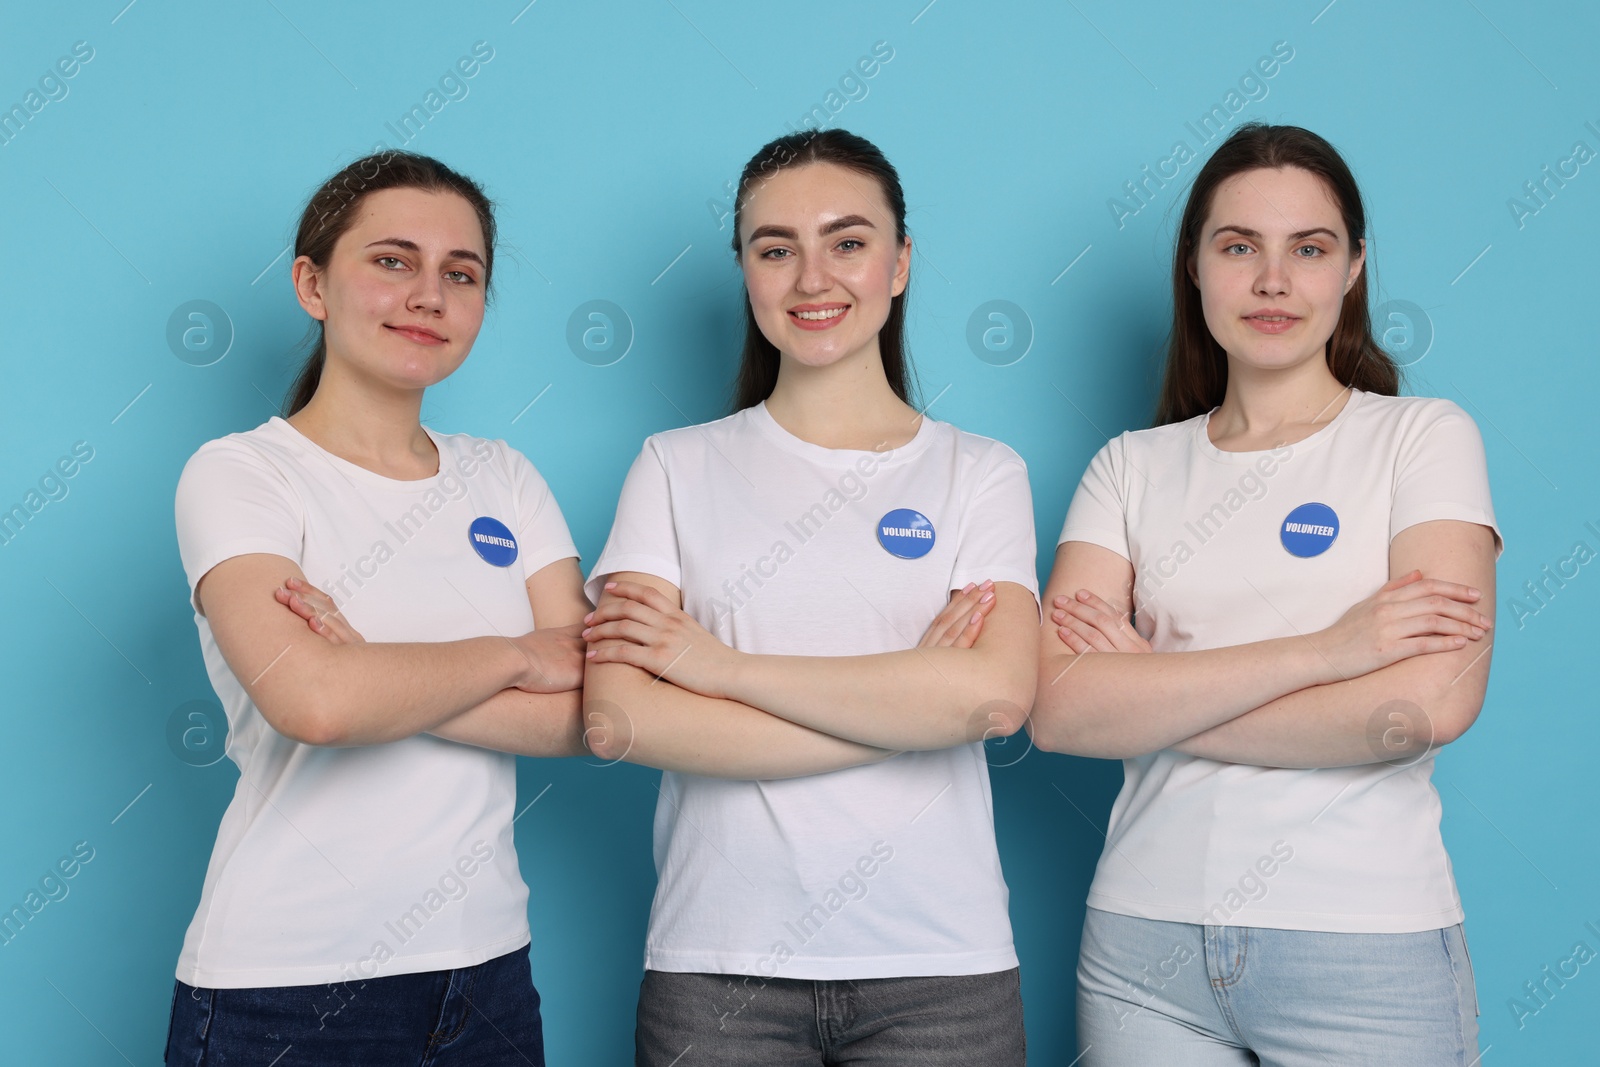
1441 473
542 534
231 501
643 535
1099 509
997 539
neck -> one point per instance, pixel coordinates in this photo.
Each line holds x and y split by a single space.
846 404
1263 403
368 423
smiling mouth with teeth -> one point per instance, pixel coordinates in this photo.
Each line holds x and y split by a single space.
819 316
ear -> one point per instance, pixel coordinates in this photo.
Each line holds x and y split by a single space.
902 268
1357 263
308 287
1192 267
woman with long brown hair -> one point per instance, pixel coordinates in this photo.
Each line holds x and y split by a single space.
363 903
829 886
1296 565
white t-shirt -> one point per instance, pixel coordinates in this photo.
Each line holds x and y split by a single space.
780 546
340 863
1234 547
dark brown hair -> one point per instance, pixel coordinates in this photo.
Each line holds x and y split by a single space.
331 212
1196 377
758 363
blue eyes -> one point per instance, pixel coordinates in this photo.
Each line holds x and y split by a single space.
1314 251
849 244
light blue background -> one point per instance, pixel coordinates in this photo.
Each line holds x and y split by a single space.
177 164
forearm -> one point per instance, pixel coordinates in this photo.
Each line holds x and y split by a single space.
1395 713
919 698
372 693
527 724
1114 705
629 715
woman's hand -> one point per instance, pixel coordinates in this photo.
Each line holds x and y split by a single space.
959 624
555 659
1409 616
1087 623
658 637
319 611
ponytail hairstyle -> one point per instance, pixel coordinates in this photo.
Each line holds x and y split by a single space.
332 210
758 362
1196 376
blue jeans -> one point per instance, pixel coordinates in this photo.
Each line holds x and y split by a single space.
485 1015
730 1020
1152 992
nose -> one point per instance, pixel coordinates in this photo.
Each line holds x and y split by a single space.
427 292
814 276
1273 279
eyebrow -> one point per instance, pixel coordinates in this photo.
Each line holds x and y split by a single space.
412 246
844 222
1296 236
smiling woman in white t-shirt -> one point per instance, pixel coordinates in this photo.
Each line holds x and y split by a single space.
363 902
829 888
1303 553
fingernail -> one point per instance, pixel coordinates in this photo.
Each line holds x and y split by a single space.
975 617
988 583
589 616
589 654
585 632
969 587
985 598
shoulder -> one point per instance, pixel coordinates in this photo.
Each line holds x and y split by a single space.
976 452
1147 445
1406 418
264 449
687 442
468 455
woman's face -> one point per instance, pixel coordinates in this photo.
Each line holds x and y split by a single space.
1273 263
821 262
402 296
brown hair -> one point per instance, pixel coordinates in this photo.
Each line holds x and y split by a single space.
329 215
758 362
1196 377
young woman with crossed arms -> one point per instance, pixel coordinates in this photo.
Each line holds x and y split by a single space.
1309 562
829 888
363 902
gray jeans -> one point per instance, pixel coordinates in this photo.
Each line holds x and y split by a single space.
724 1020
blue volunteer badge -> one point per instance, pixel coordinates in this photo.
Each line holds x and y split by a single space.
1309 530
491 540
905 533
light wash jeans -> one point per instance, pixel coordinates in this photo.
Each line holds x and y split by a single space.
1158 993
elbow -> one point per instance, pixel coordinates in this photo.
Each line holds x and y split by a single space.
1053 730
1050 735
1440 712
1452 723
1001 713
307 724
606 727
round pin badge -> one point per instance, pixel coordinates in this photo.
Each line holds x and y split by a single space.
1309 530
905 533
493 541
